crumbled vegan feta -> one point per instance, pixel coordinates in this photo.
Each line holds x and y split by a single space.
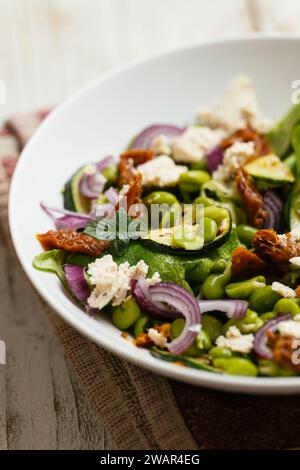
124 190
295 261
289 328
283 290
192 145
235 341
112 282
157 337
294 235
237 109
160 172
236 155
160 145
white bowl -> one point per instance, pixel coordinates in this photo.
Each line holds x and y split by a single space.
103 116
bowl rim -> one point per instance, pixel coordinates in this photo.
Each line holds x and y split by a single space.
241 384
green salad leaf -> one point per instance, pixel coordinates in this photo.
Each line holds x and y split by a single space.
280 135
194 362
52 261
292 207
170 267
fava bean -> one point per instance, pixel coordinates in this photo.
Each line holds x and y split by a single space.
210 229
263 299
160 197
216 213
236 366
201 270
205 201
245 234
214 286
194 178
187 238
218 352
211 326
267 316
244 289
287 306
249 324
219 266
110 173
126 314
201 165
140 325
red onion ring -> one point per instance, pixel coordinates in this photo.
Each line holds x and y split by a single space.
233 308
260 340
274 207
145 138
92 184
77 283
69 220
183 302
214 158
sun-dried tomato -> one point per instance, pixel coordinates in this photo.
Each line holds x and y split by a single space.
130 159
283 348
274 249
261 145
143 341
252 200
297 290
72 241
246 263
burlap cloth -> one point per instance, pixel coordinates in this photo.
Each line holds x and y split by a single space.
144 411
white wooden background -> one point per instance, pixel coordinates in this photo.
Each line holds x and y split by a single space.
48 49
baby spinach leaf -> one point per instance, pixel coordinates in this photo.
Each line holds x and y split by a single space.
52 261
225 251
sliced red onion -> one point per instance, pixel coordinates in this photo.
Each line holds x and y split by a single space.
112 195
145 138
69 219
260 341
214 158
274 207
157 310
92 183
233 308
183 302
102 164
77 282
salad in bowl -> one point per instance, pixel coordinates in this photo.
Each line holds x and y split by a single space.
189 241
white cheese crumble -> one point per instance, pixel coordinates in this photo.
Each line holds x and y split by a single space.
112 282
295 261
161 145
192 145
236 155
283 290
294 235
157 337
235 341
289 328
124 190
160 172
237 109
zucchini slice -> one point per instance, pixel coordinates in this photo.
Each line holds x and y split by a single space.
73 199
270 169
162 239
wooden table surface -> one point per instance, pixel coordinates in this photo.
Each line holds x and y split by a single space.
48 49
